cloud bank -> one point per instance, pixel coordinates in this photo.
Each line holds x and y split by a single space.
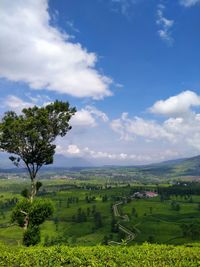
182 125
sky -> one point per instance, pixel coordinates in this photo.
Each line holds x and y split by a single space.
130 67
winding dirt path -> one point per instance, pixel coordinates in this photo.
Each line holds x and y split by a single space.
130 235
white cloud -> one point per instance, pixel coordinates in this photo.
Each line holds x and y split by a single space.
88 116
40 55
38 98
189 3
165 25
83 118
138 127
109 157
97 113
185 130
181 128
15 103
177 106
73 149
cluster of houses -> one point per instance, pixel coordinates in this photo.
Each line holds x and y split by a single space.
145 194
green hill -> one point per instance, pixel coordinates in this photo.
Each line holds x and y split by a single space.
123 256
179 167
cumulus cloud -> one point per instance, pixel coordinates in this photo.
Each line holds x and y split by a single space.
73 149
15 103
83 118
189 3
88 116
165 25
35 52
177 106
181 127
97 113
131 128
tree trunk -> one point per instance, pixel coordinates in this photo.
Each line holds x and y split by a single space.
26 220
33 189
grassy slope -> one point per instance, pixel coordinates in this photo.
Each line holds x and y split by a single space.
184 167
144 255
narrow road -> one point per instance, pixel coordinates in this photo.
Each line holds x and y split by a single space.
130 235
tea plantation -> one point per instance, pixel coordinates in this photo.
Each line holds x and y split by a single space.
143 255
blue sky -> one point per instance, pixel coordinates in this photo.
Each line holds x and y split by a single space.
131 67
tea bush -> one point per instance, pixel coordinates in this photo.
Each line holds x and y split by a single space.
145 255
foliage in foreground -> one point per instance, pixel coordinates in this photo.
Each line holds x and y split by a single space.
144 255
36 213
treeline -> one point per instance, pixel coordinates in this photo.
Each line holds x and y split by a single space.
180 189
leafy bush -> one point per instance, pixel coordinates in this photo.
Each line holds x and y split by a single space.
31 236
38 211
17 214
41 209
29 216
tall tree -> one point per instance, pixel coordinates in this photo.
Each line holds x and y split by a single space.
30 136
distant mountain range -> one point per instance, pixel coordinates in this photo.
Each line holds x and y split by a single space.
59 162
178 167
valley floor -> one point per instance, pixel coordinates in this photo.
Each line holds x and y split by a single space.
153 220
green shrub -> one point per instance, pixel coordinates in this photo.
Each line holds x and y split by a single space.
31 236
29 216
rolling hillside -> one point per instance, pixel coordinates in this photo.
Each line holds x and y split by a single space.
179 167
